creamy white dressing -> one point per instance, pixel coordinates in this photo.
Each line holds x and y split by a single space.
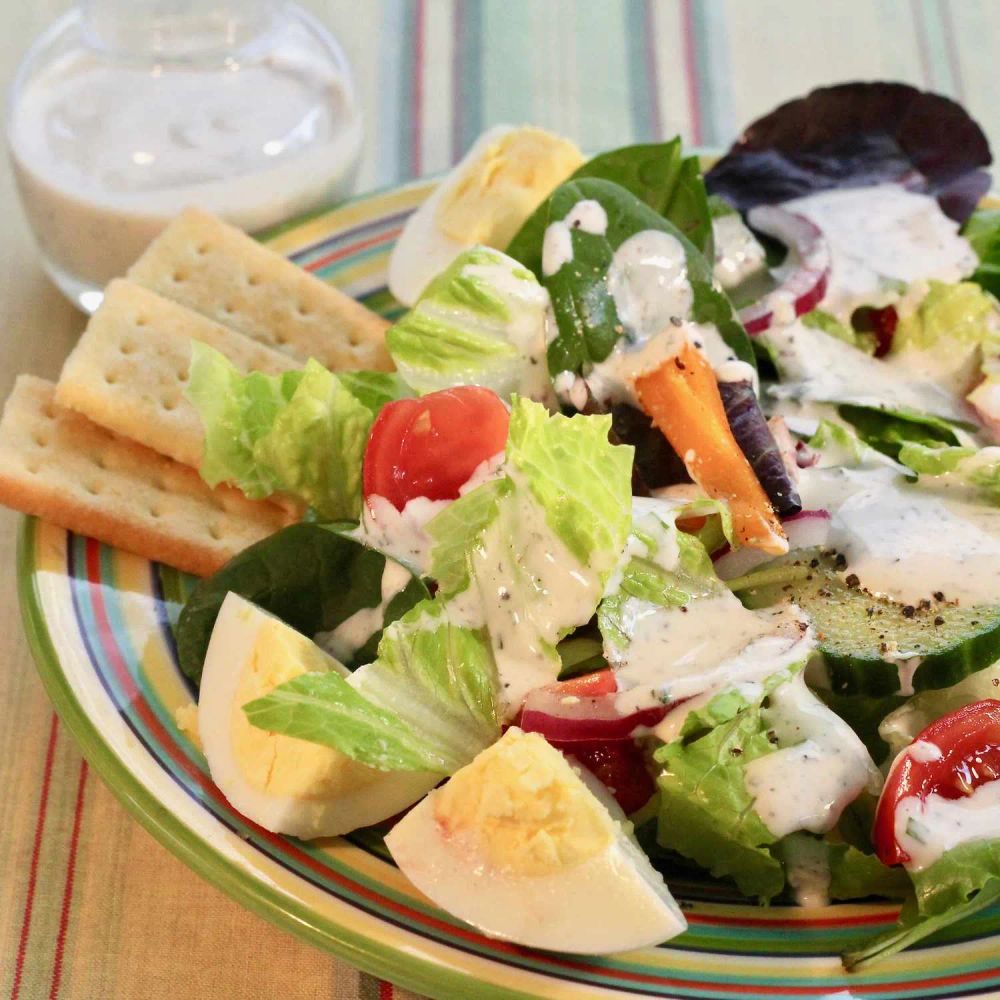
823 766
817 367
927 828
400 534
807 868
737 252
648 280
527 588
924 751
557 244
881 237
352 633
906 543
570 389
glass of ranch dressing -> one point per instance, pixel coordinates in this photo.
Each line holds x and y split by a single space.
126 111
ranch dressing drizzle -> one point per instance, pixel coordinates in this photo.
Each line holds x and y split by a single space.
557 245
806 784
737 253
927 829
904 542
880 238
352 633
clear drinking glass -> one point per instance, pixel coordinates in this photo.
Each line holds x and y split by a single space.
126 111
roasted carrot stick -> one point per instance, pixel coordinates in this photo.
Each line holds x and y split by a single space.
682 399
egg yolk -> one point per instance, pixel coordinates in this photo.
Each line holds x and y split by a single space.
522 809
495 194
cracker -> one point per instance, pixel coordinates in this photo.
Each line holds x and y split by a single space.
129 370
62 467
218 270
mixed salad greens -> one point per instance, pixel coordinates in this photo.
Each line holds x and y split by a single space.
683 504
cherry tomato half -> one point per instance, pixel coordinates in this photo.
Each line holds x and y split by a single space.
429 447
969 741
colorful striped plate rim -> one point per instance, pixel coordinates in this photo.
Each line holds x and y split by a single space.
100 624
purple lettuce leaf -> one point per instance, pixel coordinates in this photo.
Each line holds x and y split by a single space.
853 135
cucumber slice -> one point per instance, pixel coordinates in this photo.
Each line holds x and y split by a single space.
863 638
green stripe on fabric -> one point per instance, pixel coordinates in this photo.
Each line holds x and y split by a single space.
508 63
711 40
599 54
467 97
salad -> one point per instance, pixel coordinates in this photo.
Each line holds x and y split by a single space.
672 542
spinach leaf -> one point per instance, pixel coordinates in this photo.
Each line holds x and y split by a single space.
983 232
584 308
657 174
888 430
312 576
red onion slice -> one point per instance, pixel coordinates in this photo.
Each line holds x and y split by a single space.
804 275
808 530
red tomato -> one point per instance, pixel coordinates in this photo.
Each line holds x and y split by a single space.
969 741
620 767
429 447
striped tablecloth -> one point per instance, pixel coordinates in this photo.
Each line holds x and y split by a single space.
90 906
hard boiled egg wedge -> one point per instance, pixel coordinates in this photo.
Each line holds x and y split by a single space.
484 200
527 848
284 784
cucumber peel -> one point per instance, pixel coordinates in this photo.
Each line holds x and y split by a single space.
864 638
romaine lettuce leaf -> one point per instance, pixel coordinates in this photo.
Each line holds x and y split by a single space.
828 323
962 882
482 321
301 433
581 480
889 429
953 314
428 703
706 813
983 232
977 470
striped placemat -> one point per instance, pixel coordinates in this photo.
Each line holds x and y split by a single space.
90 906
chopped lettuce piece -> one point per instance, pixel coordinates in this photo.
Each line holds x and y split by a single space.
482 321
962 882
827 869
828 323
889 429
838 444
582 481
706 812
976 470
301 433
428 703
983 232
957 314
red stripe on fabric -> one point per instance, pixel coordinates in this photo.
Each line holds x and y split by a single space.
860 920
335 255
417 90
691 71
652 73
415 917
36 850
923 52
384 990
74 843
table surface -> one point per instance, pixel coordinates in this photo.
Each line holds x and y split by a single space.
80 882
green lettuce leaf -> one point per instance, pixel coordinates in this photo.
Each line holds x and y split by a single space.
482 321
301 433
983 231
949 314
840 870
428 703
838 444
582 481
311 576
978 470
889 429
828 323
658 174
962 882
706 813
